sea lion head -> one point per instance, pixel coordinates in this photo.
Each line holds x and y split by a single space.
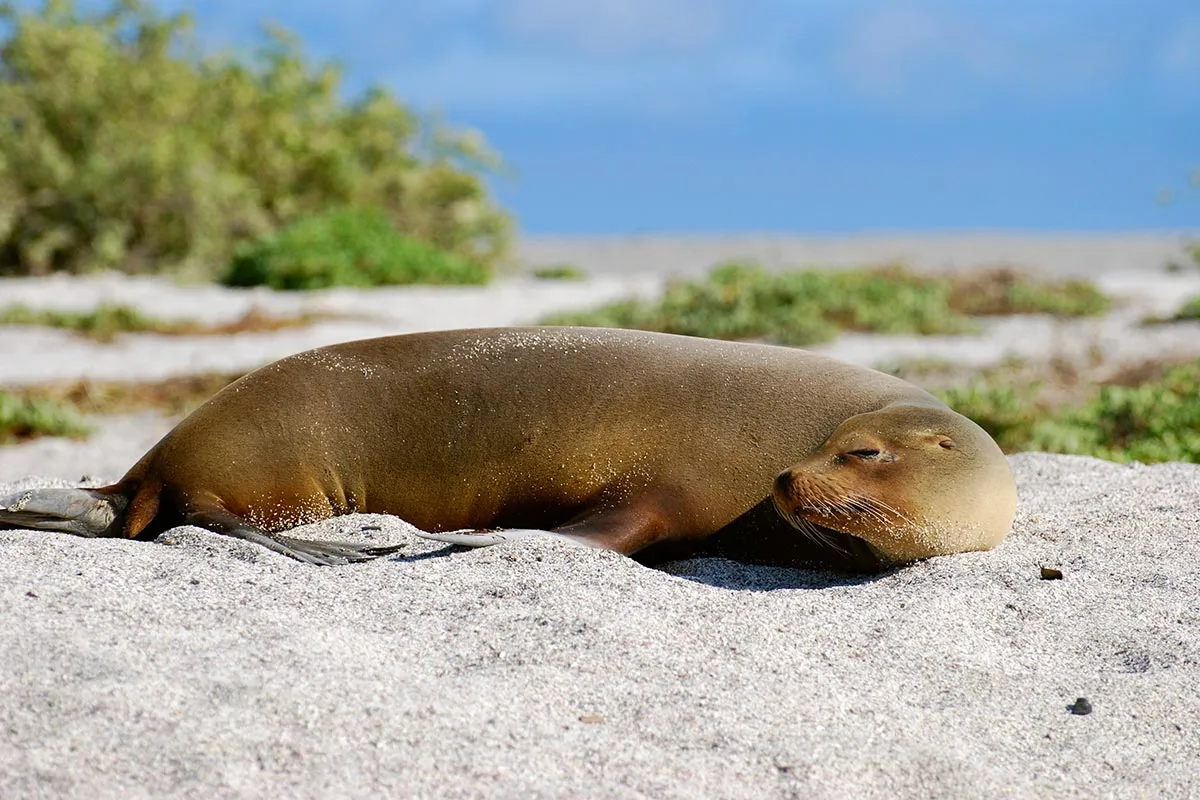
911 480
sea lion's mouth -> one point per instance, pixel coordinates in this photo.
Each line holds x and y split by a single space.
847 544
827 510
824 535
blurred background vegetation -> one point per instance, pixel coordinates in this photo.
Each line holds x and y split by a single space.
124 146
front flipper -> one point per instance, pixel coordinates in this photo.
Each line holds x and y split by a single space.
321 553
625 529
469 538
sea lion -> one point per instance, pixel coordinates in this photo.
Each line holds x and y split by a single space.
644 443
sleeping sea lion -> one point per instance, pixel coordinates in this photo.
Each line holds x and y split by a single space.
647 444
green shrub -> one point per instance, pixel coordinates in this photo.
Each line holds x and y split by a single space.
123 146
102 323
1158 420
1009 413
1003 291
22 418
1189 311
347 247
738 301
559 272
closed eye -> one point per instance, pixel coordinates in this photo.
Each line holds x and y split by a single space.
865 453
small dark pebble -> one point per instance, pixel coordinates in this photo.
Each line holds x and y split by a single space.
1082 707
31 593
371 528
1051 574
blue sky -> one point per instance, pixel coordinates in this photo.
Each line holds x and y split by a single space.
814 116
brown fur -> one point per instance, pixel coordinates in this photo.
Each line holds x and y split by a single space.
644 443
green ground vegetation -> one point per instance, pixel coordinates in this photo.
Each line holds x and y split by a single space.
173 396
24 418
559 272
745 302
104 322
1189 311
347 247
1190 263
1154 419
124 145
1004 291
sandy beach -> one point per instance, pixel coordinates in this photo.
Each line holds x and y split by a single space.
200 666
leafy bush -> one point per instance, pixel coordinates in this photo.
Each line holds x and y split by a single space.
1008 413
1006 291
1158 420
172 396
559 272
1189 311
123 146
739 301
105 321
102 323
347 247
23 418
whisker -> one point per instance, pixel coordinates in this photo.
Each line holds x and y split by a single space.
810 530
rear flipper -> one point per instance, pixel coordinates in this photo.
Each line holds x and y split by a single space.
83 512
322 553
95 512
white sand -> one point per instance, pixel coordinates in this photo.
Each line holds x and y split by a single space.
200 666
209 667
1086 255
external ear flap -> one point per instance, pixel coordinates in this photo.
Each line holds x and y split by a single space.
947 443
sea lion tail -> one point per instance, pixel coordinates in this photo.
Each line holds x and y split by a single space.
83 512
